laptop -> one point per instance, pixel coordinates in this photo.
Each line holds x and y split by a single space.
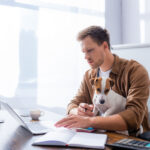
35 128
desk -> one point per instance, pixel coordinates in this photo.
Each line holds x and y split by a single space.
14 137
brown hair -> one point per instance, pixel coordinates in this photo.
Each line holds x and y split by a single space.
97 33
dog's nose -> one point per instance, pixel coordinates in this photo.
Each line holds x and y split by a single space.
102 101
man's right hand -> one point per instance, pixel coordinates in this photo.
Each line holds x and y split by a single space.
85 109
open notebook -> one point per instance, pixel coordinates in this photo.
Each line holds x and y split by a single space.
66 137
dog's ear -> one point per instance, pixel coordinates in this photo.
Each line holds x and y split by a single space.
111 82
96 80
92 81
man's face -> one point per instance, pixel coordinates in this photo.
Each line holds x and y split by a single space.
94 53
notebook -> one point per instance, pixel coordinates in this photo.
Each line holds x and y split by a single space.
37 127
66 137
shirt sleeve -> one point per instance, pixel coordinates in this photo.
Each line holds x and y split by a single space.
137 97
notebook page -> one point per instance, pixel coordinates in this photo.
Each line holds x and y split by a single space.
89 140
61 136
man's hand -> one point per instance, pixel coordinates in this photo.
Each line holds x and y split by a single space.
85 110
74 121
113 122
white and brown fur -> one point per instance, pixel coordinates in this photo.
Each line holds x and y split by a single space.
106 101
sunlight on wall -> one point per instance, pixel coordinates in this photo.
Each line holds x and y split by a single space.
144 10
142 22
40 58
142 6
98 5
142 30
60 62
9 39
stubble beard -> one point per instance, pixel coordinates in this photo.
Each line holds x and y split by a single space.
96 65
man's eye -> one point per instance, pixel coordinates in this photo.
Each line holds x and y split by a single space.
90 50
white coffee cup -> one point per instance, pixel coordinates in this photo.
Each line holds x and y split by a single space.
36 113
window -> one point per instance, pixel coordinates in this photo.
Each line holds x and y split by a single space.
45 60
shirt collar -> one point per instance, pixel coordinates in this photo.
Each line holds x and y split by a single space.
115 67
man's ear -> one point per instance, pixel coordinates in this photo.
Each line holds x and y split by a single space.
111 82
105 45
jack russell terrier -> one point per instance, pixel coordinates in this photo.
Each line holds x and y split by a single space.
106 101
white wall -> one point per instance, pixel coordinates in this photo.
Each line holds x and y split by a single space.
113 20
138 52
128 21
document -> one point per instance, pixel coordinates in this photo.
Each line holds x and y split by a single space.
66 137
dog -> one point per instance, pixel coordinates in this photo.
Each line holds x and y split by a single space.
106 101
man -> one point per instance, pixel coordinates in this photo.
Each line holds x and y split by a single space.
131 81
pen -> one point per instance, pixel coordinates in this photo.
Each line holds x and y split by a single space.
85 109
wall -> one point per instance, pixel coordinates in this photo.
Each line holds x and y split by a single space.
128 21
138 52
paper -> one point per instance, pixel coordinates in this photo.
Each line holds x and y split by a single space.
66 137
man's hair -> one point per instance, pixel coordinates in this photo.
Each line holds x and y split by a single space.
97 33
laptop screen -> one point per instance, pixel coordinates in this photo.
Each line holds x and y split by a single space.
13 114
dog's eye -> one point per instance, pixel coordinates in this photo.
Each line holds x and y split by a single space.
106 91
98 89
96 80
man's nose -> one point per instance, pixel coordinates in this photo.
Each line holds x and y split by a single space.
86 56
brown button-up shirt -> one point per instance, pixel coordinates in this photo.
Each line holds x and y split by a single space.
131 81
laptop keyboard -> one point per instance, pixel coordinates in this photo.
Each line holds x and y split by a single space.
36 126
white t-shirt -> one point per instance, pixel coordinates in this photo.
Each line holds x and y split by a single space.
104 74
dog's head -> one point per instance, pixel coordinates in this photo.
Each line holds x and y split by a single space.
102 88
